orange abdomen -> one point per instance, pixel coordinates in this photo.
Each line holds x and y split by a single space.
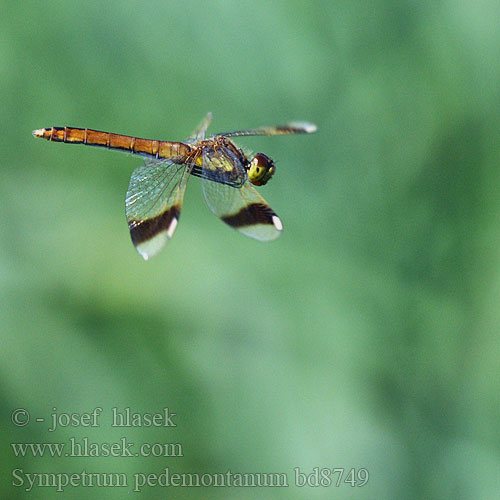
134 145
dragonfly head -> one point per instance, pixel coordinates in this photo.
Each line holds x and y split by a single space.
260 169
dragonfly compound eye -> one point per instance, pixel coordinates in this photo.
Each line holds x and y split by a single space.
260 169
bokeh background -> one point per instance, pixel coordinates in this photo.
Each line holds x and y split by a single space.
367 336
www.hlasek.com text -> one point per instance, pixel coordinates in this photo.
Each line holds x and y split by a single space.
86 448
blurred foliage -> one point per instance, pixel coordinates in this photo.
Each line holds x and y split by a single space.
367 336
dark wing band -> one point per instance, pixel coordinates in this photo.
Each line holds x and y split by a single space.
153 204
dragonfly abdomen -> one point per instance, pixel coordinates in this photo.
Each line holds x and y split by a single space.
117 142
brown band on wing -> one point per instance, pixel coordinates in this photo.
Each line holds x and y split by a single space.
256 213
144 230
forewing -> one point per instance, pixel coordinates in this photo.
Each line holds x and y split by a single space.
289 128
199 132
153 204
241 207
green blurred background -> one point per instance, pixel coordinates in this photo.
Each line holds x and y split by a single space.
365 337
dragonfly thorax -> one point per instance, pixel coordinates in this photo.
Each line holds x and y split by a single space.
260 169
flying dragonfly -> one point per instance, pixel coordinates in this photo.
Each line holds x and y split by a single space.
156 190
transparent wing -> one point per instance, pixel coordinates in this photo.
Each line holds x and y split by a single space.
153 204
199 133
238 205
223 166
289 128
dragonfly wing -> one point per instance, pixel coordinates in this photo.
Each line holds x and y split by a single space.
238 205
289 128
153 204
199 133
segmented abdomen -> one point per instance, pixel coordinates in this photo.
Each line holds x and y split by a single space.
134 145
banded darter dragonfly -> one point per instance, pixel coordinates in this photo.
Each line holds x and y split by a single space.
156 190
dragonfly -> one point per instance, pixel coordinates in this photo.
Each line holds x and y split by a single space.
156 190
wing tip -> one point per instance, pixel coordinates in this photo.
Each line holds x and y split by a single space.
150 236
307 127
152 247
277 223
